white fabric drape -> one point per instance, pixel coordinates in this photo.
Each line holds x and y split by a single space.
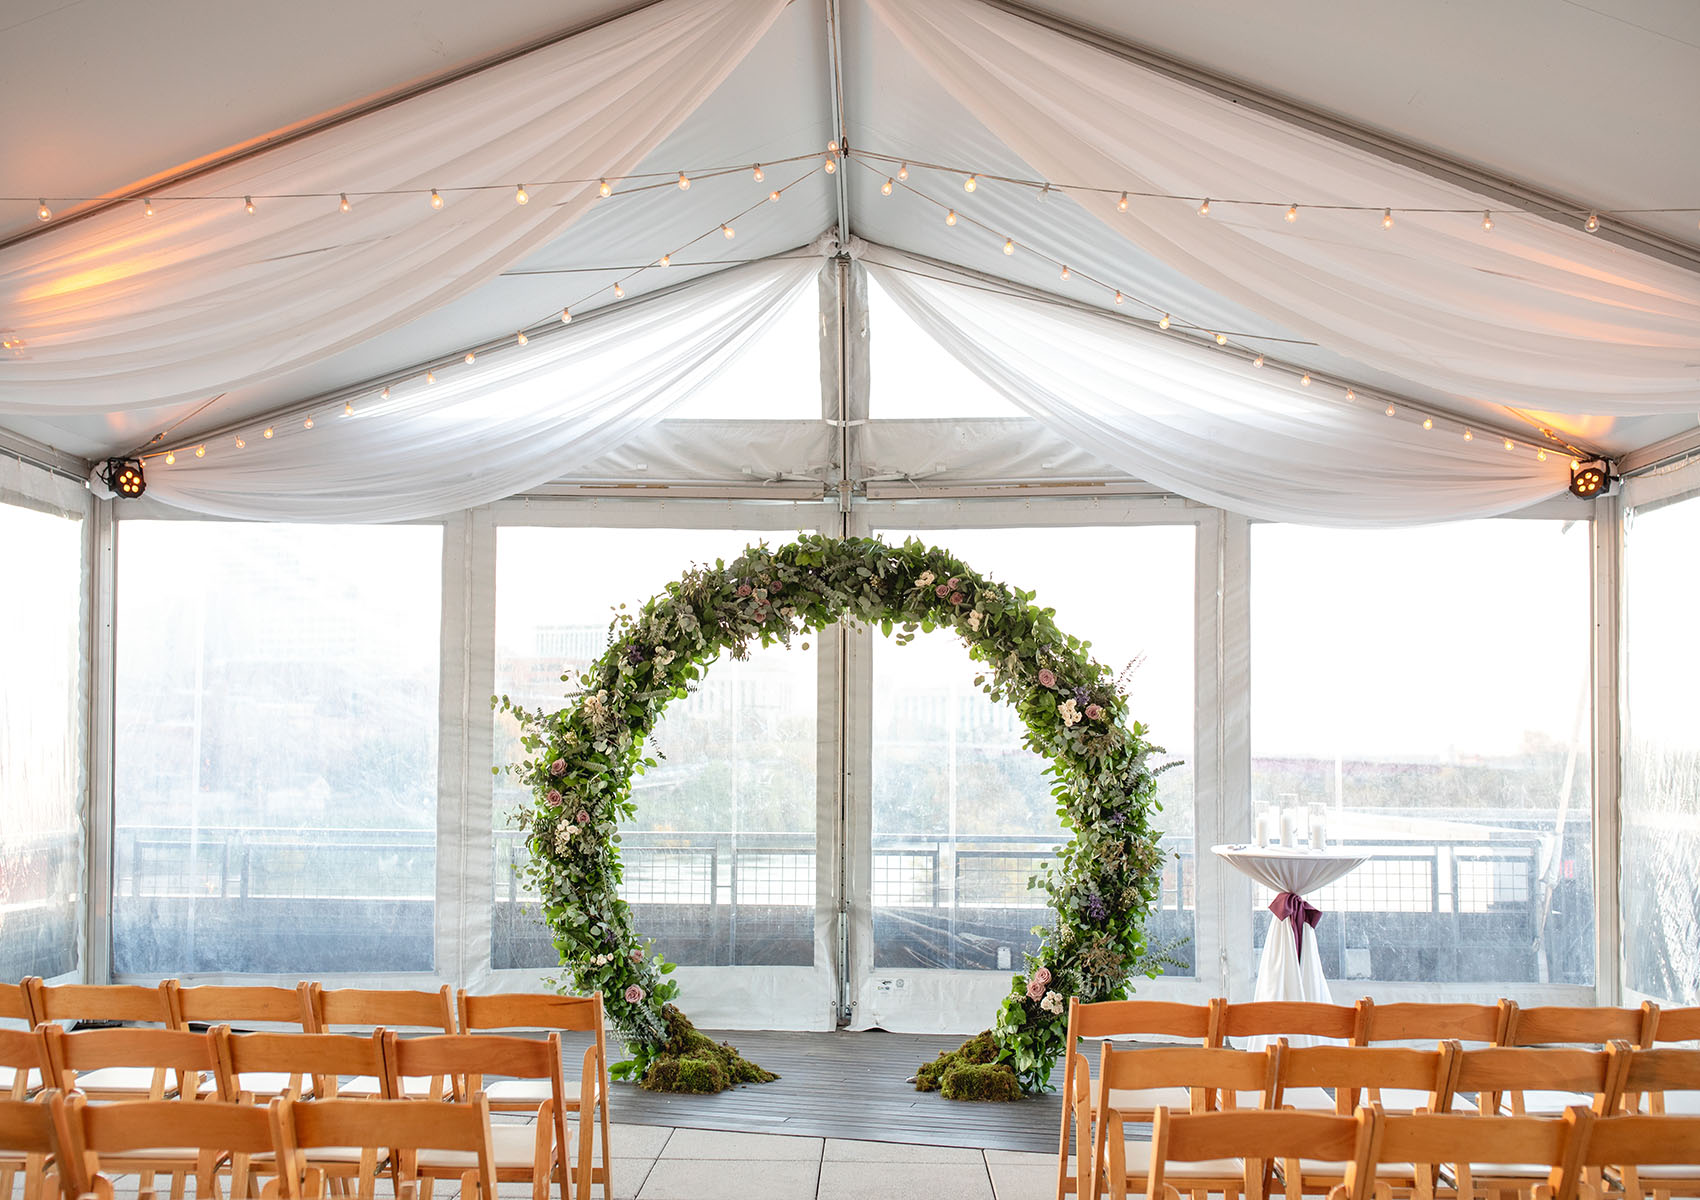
121 311
510 421
1210 426
1531 314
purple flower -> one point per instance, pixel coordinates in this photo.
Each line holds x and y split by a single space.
1096 909
554 798
1094 711
634 994
558 768
1047 677
635 655
583 817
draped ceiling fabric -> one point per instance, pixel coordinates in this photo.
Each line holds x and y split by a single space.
512 420
1210 426
1532 314
123 312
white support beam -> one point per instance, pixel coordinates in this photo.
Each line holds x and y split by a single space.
1607 679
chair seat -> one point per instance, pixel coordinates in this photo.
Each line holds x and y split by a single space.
1304 1099
119 1079
1404 1100
531 1091
273 1083
1669 1171
1679 1104
1139 1163
512 1148
413 1087
1149 1099
9 1077
1539 1102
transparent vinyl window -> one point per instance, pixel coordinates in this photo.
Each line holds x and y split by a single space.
41 744
1428 691
720 860
962 811
276 786
1660 806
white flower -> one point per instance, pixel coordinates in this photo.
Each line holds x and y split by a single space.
974 620
565 831
1069 712
925 579
596 709
663 657
1052 1003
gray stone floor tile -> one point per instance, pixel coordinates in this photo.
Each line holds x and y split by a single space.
884 1180
714 1143
847 1150
720 1179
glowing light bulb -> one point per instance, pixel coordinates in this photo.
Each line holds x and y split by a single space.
1121 202
1221 339
430 377
1009 246
1258 361
566 316
684 182
1540 456
885 188
1428 422
1350 394
619 292
1391 410
384 395
469 357
521 339
170 459
307 424
1118 297
1065 273
1387 218
1204 209
759 173
727 232
1592 224
603 189
666 260
950 217
147 208
972 182
521 196
268 433
1468 436
829 165
248 203
1304 380
342 201
43 213
832 146
1292 213
200 451
436 199
1163 321
1509 445
1487 221
240 444
773 197
903 171
348 408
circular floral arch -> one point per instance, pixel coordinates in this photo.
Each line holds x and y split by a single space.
580 762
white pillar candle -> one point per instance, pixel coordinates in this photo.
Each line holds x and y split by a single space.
1318 829
1289 828
1265 826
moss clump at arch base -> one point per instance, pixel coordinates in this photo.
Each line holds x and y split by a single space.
970 1072
691 1062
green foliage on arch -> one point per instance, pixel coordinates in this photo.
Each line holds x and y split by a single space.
580 763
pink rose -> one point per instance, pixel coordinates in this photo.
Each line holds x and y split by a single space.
1047 677
776 587
634 994
637 956
554 798
1042 977
583 817
1035 989
558 768
956 597
1094 711
942 590
953 582
744 589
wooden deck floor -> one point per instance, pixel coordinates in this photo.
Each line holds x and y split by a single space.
848 1085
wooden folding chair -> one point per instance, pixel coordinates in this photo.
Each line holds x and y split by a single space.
1587 1026
108 1138
545 1011
20 1066
1215 1078
1350 1072
322 1057
1497 1074
1473 1026
129 1003
534 1153
1290 1020
280 1009
1660 1082
380 1008
1182 1143
376 1127
1658 1154
28 1144
1679 1025
1537 1157
1118 1018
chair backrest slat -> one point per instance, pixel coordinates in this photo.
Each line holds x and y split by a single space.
99 1002
26 1126
325 1056
530 1010
1644 1141
1470 1139
1351 1070
215 1004
369 1008
1679 1025
1115 1018
1282 1018
1560 1025
160 1049
21 1051
1260 1137
1220 1073
1412 1022
15 1001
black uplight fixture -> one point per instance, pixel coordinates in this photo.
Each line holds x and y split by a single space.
124 477
1590 479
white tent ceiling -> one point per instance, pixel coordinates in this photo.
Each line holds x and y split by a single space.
1595 106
